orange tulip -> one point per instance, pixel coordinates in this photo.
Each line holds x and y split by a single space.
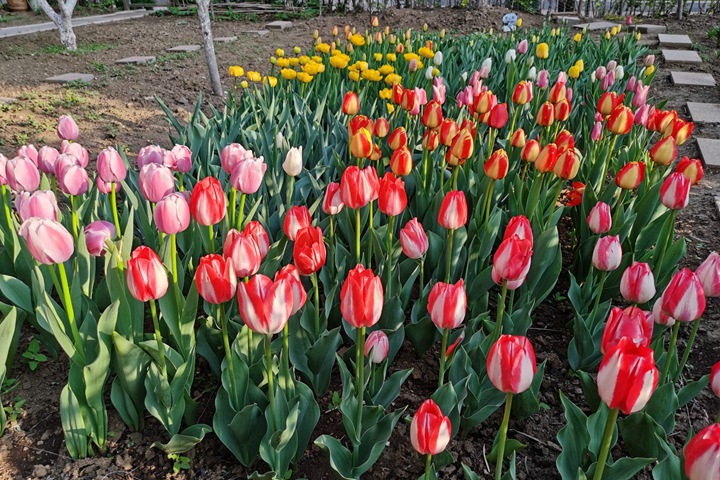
432 115
523 93
408 99
497 165
621 120
567 165
358 122
517 139
681 130
664 151
398 138
351 104
361 144
376 153
547 158
565 141
557 92
463 145
608 101
401 161
448 130
382 127
530 151
430 140
545 115
484 102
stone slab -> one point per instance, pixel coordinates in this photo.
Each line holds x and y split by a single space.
259 33
225 39
567 20
184 48
710 151
649 28
279 25
704 112
595 26
7 100
76 22
135 60
717 203
681 56
692 78
648 42
71 77
667 40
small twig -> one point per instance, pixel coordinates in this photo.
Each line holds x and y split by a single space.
541 442
487 466
44 451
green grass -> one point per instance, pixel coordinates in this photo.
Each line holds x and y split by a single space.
82 49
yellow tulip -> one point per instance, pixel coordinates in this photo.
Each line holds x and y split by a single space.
272 81
580 64
371 75
386 70
354 76
294 62
280 52
283 62
254 76
273 60
288 73
304 77
426 52
519 22
542 50
322 48
574 72
436 72
236 71
607 35
304 59
390 57
386 94
390 108
649 70
613 31
244 84
339 61
393 78
442 33
577 37
297 50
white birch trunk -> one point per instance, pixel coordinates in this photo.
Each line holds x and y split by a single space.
62 20
209 45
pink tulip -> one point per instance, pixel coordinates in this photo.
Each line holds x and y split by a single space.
599 219
73 180
105 187
638 283
413 239
684 297
46 158
439 90
447 304
709 274
97 234
630 87
675 191
247 175
377 346
30 152
40 203
22 175
607 254
522 47
172 214
332 203
155 182
256 231
641 93
3 165
297 218
290 273
62 161
179 159
77 150
232 154
659 317
265 306
48 241
110 166
643 114
511 262
150 154
542 80
67 129
715 379
243 250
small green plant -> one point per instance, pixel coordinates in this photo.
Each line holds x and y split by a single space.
180 462
335 401
77 84
33 355
99 67
14 409
714 33
82 49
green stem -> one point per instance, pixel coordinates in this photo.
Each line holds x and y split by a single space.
232 206
357 235
158 340
5 200
448 261
554 203
608 160
500 312
391 224
668 240
428 466
670 351
370 231
75 222
173 260
211 237
316 293
271 378
426 169
422 275
503 436
291 188
113 204
511 302
228 352
71 311
603 275
180 181
360 381
488 202
688 348
456 170
616 212
516 109
241 212
535 189
605 445
443 357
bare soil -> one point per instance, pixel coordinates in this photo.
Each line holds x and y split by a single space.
120 107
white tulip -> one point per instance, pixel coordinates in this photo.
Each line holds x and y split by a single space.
532 74
510 56
619 72
428 72
279 140
293 162
487 63
438 58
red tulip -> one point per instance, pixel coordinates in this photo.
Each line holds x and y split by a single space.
407 101
630 176
575 195
675 191
351 103
48 241
361 298
413 239
447 304
511 364
401 161
97 234
392 198
715 379
511 262
520 226
702 454
498 116
546 115
309 252
684 297
297 218
709 274
110 166
358 187
627 376
256 231
430 430
453 211
67 129
547 158
265 306
599 219
664 151
242 249
432 115
637 284
530 151
215 279
155 181
207 202
630 323
691 168
607 254
145 275
497 165
172 214
291 275
621 120
377 346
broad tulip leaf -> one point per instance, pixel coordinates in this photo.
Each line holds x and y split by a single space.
182 442
573 438
17 292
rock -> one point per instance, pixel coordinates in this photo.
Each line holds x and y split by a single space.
124 462
46 434
40 471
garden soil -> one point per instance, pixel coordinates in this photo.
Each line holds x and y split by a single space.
119 107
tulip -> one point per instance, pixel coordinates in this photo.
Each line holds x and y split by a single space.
106 188
73 180
684 297
332 202
179 159
110 166
77 150
518 139
620 121
247 175
155 182
377 346
599 219
498 116
497 165
681 130
448 130
607 254
627 376
637 284
542 51
361 298
463 145
664 151
291 275
62 161
568 165
608 102
691 168
522 94
67 129
702 454
642 115
358 187
709 274
453 211
97 235
401 161
430 140
715 379
243 250
145 275
398 138
408 99
265 306
547 158
596 134
430 430
675 191
296 219
530 151
557 92
361 143
447 305
30 152
215 279
22 175
40 203
432 115
172 214
630 323
47 240
358 122
562 110
309 252
46 158
542 81
659 317
382 127
413 239
511 261
293 162
546 115
150 154
207 202
630 176
351 103
257 232
575 195
392 199
439 88
231 155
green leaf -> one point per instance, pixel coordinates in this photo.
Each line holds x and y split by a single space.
16 292
182 442
76 438
391 388
573 438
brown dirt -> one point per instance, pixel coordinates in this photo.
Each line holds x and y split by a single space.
119 107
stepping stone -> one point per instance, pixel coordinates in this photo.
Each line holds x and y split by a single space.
259 33
184 48
225 39
681 56
649 28
279 24
674 40
568 20
595 26
704 112
692 78
135 60
648 42
710 151
7 100
71 77
717 203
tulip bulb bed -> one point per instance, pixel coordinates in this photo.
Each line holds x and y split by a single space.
384 191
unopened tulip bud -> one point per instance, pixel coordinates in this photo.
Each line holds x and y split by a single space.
599 219
691 168
293 162
675 191
517 139
607 254
664 151
630 176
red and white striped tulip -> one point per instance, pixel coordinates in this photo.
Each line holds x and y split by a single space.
447 304
627 377
392 198
631 322
207 202
413 239
511 364
702 454
715 379
290 273
607 254
520 226
297 218
599 220
377 346
675 191
332 203
637 284
430 430
145 275
684 297
309 253
216 279
709 274
361 298
453 211
243 250
265 306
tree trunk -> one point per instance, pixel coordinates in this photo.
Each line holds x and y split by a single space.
681 7
63 21
209 45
